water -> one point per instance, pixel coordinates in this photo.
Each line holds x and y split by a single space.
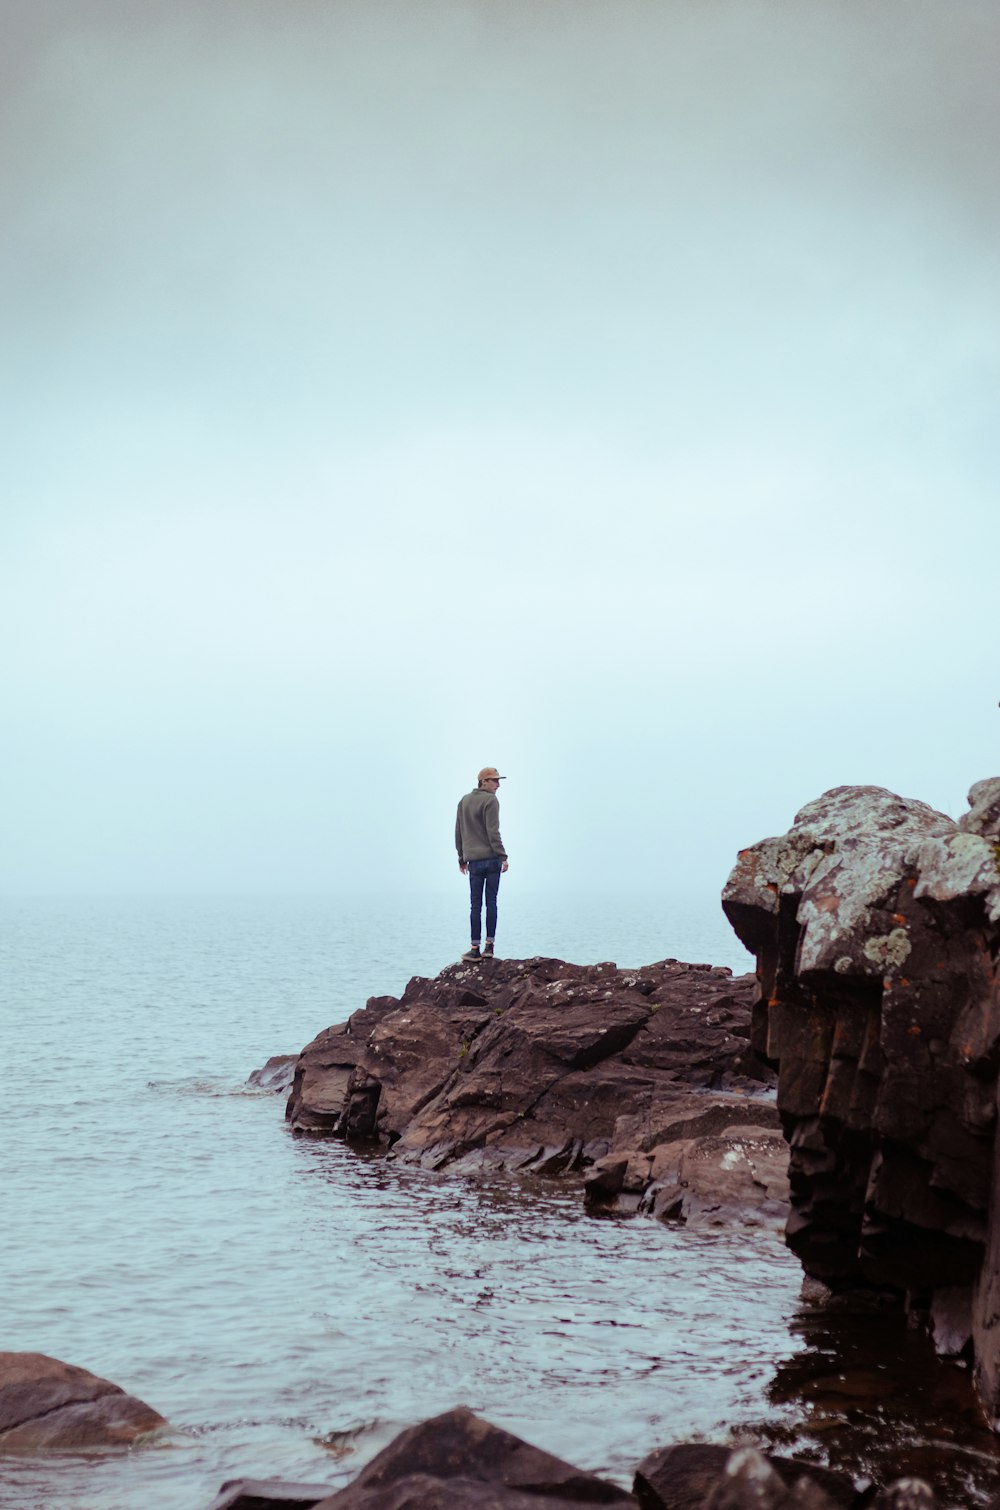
290 1305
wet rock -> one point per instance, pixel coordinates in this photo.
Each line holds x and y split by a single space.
906 1494
421 1491
645 1078
876 925
459 1460
276 1075
950 1313
749 1481
740 1174
46 1405
268 1494
683 1477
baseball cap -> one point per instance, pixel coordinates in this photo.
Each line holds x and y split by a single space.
490 773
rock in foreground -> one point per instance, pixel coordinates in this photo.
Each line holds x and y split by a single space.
46 1405
644 1080
458 1461
689 1474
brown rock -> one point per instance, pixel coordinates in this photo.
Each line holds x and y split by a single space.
548 1067
422 1491
459 1460
739 1175
46 1405
749 1481
683 1477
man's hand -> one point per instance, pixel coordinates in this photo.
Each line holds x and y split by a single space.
505 866
463 866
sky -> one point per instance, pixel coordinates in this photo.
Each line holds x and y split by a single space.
605 390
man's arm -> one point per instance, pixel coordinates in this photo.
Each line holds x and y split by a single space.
463 867
491 817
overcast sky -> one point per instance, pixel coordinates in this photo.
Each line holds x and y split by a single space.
602 389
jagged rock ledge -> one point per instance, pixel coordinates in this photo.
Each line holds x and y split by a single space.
641 1081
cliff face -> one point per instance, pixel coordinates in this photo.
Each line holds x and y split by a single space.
876 925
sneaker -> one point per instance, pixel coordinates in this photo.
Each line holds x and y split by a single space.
488 949
473 953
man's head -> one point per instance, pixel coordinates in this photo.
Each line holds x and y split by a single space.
490 778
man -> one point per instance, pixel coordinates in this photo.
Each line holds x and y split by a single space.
481 856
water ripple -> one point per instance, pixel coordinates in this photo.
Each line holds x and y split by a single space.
289 1305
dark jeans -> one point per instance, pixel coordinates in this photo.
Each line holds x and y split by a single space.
484 875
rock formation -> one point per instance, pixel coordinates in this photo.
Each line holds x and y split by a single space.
876 925
458 1461
686 1476
644 1080
46 1405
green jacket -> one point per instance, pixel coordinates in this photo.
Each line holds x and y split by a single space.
477 828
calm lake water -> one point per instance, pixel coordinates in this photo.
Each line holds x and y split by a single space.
290 1305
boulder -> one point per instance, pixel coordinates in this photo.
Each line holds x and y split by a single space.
46 1405
737 1174
683 1477
459 1460
750 1481
645 1078
876 925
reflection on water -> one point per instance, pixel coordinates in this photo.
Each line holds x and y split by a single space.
871 1398
290 1306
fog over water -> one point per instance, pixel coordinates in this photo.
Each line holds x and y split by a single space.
604 391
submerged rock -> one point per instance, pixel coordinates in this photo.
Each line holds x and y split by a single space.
876 925
46 1405
645 1079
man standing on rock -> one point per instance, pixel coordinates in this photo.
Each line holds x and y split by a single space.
481 856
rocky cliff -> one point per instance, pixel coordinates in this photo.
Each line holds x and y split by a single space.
643 1081
876 925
